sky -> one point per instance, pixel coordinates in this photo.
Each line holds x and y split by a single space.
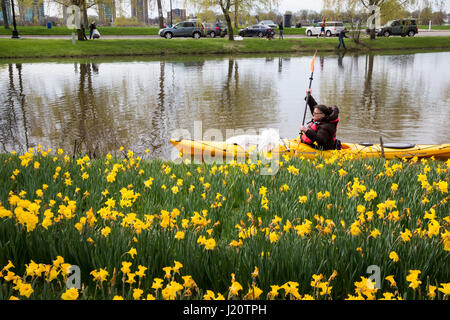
296 5
284 5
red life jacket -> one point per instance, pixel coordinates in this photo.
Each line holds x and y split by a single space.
315 126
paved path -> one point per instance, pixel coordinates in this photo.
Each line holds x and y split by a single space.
422 33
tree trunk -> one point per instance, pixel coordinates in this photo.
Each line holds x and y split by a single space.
84 17
81 34
236 14
113 11
64 13
372 34
146 11
160 14
5 15
230 27
225 5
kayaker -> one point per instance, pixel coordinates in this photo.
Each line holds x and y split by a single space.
321 130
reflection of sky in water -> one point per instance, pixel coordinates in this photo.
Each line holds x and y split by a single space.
404 98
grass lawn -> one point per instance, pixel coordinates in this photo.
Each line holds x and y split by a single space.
38 48
425 26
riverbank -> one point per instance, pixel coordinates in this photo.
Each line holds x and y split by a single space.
39 48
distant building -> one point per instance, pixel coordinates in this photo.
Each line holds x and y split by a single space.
105 14
177 14
8 12
35 13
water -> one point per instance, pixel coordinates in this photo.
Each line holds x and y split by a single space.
100 105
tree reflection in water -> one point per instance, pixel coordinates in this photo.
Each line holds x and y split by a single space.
97 106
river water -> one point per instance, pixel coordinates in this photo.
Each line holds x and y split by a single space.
97 106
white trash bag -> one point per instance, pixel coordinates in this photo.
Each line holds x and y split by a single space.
95 34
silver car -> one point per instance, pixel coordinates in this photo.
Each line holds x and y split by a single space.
184 29
332 28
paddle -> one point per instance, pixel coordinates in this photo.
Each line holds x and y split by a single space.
306 105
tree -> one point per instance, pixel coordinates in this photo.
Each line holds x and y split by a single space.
5 15
392 8
160 14
227 7
207 16
83 5
426 14
438 18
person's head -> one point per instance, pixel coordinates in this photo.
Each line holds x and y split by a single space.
320 112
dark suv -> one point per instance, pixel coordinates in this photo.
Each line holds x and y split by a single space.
217 29
401 27
184 29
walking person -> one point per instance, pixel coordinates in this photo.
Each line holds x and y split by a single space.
322 28
341 38
280 30
92 27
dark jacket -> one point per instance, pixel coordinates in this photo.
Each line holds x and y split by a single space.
92 26
326 128
342 34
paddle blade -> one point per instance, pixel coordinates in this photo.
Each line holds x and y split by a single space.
312 62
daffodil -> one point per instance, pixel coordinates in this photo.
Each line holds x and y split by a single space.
253 293
132 252
413 278
393 256
235 288
126 267
210 244
179 235
70 294
445 288
391 281
431 291
157 283
137 293
375 233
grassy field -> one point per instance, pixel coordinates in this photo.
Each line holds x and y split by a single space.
38 48
148 229
447 27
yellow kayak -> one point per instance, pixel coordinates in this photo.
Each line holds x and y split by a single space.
220 149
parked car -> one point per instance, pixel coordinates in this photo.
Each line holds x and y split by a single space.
217 29
269 23
257 30
332 28
298 25
400 27
184 29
